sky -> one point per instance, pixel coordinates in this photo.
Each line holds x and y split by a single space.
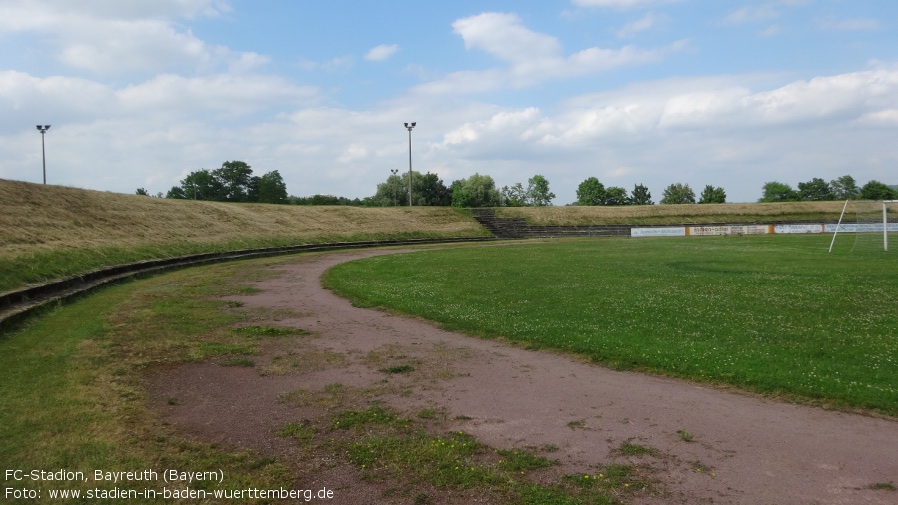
729 93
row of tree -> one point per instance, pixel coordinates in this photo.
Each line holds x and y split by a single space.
843 188
235 182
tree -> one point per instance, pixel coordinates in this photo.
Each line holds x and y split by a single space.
514 196
142 192
713 195
616 196
427 190
815 190
591 192
641 196
844 188
176 192
778 192
475 191
538 193
234 178
875 190
270 188
677 194
198 185
433 191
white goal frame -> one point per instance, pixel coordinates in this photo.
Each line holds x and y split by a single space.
885 224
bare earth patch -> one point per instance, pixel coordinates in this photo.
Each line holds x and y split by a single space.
741 449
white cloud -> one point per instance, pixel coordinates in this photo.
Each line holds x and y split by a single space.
381 52
753 14
621 4
647 22
853 24
109 37
531 57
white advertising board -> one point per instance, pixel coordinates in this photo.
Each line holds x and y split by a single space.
859 228
797 228
729 230
658 232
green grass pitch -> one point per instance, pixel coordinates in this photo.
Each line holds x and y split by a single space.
772 314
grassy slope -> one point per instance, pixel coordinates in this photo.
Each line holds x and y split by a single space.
52 231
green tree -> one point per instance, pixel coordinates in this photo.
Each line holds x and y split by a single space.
198 185
393 192
677 194
713 195
427 190
815 190
514 196
176 192
538 193
270 188
591 192
142 192
778 192
434 192
641 196
234 178
616 196
844 188
475 191
875 190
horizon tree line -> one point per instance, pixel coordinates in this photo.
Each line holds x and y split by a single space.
234 182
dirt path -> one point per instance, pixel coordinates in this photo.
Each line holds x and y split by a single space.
746 450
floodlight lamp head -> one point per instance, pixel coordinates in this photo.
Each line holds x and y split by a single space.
413 125
406 125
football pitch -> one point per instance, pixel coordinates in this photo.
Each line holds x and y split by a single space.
776 315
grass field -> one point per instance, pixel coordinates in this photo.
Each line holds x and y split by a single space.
772 314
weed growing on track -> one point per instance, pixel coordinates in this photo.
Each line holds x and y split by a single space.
773 314
74 399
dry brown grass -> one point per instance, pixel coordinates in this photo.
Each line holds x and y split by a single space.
689 214
36 218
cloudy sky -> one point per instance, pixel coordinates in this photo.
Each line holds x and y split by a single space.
729 93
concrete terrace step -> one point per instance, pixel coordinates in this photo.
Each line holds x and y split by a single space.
502 227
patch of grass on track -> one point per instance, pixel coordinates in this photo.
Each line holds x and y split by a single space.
772 314
72 383
74 398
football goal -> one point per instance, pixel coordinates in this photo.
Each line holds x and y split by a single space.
871 225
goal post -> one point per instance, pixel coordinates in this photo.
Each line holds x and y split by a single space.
861 218
885 224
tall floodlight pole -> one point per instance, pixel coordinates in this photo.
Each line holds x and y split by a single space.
43 129
394 171
409 128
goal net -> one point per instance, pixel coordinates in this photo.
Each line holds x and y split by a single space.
866 226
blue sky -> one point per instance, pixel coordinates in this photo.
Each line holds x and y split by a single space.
727 93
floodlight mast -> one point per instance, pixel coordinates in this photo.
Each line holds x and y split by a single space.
43 129
409 128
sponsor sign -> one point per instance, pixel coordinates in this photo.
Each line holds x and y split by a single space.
797 228
658 232
859 228
729 230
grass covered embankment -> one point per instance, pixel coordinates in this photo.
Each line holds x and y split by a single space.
49 232
695 214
